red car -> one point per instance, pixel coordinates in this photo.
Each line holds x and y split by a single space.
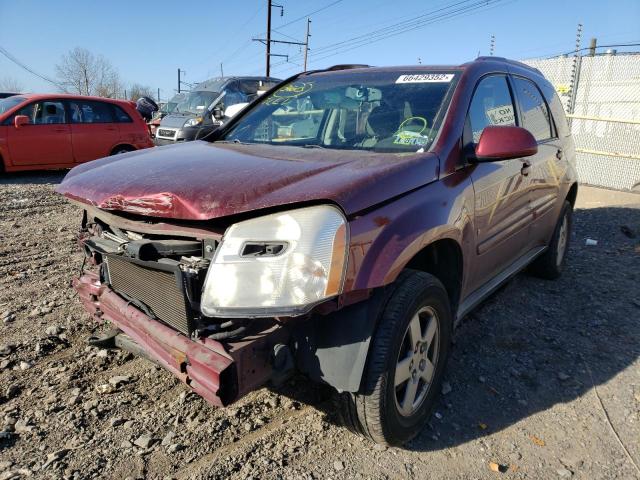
61 131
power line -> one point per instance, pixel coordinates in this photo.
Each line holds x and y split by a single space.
310 14
444 13
450 10
13 59
599 46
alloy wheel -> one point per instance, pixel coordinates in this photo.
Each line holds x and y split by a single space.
417 361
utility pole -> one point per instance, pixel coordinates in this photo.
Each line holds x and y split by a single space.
221 71
492 45
270 5
268 41
179 82
306 44
268 37
592 47
158 95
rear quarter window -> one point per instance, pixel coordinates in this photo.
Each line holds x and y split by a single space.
557 110
121 116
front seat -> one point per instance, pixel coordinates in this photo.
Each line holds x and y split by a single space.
52 115
384 120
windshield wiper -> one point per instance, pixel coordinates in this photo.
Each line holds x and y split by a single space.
313 145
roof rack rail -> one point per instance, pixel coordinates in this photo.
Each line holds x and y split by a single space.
346 66
508 60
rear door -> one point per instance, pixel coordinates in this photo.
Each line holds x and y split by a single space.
93 129
131 132
46 140
501 202
545 168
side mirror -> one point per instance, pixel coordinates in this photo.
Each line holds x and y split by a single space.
21 120
234 109
218 114
504 143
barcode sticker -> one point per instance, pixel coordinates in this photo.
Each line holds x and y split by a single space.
425 78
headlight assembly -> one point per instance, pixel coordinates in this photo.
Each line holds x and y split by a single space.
193 122
278 265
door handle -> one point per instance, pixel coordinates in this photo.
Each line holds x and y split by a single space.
526 167
559 154
60 130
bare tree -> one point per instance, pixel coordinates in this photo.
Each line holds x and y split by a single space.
84 73
10 84
135 91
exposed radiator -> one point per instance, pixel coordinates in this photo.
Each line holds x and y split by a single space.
160 291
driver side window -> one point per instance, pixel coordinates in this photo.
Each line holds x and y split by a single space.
44 113
491 105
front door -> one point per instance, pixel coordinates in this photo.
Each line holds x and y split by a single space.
502 211
46 140
93 129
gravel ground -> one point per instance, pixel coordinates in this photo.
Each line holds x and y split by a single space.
543 382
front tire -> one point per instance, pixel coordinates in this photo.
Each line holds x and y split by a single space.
407 358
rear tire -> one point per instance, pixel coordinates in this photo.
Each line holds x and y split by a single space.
549 264
407 358
122 149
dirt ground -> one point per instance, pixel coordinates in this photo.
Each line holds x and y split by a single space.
543 382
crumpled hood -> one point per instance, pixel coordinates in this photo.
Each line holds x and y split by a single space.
201 180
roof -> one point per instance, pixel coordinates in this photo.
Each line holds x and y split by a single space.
44 96
425 68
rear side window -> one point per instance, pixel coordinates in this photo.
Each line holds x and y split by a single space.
121 115
491 105
535 113
89 111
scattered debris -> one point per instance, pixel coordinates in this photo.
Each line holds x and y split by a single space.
498 468
446 388
538 441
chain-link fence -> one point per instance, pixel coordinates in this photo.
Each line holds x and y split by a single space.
601 95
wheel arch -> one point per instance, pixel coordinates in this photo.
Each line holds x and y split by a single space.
572 194
128 146
443 258
352 328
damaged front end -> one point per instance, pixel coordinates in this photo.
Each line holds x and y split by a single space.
147 280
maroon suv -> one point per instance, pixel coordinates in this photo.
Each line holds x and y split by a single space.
340 226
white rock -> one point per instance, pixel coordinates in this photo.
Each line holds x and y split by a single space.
25 365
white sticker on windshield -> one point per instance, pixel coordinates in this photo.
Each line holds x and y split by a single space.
425 78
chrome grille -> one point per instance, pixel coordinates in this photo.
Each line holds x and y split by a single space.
156 289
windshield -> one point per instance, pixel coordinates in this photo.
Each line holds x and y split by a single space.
10 102
378 111
196 102
171 105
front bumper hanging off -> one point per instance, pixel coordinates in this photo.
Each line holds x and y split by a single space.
219 373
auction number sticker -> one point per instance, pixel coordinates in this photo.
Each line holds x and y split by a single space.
426 78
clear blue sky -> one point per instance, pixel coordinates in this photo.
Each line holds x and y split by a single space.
147 41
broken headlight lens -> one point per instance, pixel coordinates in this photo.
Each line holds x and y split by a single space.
277 265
